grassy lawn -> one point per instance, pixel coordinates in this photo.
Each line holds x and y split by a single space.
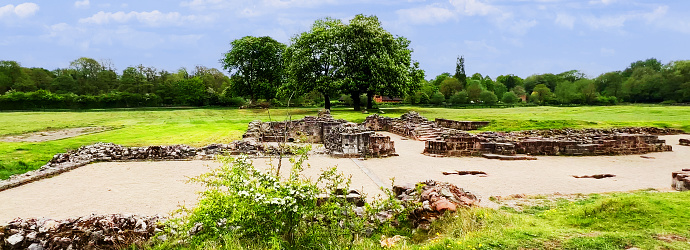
199 127
646 220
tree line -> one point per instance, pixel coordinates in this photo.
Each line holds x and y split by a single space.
351 62
648 81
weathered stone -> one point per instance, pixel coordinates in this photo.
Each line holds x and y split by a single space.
684 142
15 239
90 232
680 180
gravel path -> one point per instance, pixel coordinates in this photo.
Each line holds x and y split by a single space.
159 187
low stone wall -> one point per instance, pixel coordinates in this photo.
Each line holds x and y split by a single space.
681 180
90 232
460 125
551 142
308 129
684 142
100 152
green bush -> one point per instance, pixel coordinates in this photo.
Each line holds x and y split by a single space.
488 97
422 98
437 98
460 98
510 98
259 208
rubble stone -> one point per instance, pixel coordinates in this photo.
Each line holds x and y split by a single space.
89 232
684 142
436 199
681 180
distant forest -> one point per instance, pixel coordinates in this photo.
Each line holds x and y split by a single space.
88 83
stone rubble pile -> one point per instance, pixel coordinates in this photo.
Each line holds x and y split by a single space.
618 141
436 198
684 142
681 180
116 231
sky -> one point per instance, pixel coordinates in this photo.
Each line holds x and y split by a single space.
496 37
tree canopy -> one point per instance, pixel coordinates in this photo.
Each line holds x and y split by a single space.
256 66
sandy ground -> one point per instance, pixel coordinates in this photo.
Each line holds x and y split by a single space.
52 135
159 187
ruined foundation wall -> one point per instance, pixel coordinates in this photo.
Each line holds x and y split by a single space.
572 142
460 125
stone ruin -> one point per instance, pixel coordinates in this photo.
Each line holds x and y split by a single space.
340 138
620 141
349 140
681 180
684 142
90 232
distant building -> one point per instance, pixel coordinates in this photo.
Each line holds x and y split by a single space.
387 99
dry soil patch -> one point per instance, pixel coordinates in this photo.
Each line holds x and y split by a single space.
52 135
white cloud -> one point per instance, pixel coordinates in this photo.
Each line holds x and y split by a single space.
82 4
474 7
153 18
565 20
23 10
604 2
426 15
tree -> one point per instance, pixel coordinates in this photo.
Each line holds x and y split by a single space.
488 97
460 71
450 86
257 64
500 89
474 90
510 81
10 73
610 83
541 94
375 62
510 98
313 60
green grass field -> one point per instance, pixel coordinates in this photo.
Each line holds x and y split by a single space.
199 127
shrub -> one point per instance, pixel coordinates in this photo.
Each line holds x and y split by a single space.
488 97
510 98
259 208
422 98
460 98
437 98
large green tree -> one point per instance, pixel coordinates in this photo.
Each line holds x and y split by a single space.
313 60
256 66
376 62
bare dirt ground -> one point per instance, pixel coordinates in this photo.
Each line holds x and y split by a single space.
159 187
52 134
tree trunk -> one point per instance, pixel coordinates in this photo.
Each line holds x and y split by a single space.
327 101
370 100
356 101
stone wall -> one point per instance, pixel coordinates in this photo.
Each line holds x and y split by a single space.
100 152
684 142
90 232
681 180
308 129
551 142
460 125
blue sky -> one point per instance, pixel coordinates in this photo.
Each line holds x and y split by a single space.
496 37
